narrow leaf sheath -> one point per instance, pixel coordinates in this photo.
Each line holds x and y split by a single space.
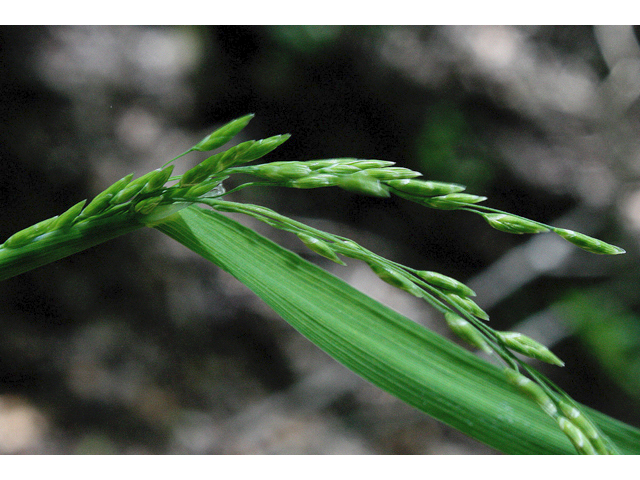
393 352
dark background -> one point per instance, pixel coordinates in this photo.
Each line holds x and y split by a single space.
139 346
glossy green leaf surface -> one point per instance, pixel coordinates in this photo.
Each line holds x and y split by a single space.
416 365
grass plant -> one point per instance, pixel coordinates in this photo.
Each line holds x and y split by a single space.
508 404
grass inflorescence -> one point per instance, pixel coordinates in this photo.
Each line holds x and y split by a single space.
156 195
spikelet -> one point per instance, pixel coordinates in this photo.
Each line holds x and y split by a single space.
262 147
101 201
25 236
512 224
147 205
395 278
468 305
340 169
423 188
327 162
576 436
222 135
527 346
213 186
314 181
320 247
588 243
363 185
452 201
66 219
351 249
580 421
532 390
280 171
158 180
389 173
447 283
466 331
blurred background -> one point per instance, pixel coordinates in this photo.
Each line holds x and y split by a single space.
139 346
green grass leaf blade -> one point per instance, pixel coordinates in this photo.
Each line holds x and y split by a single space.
400 356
